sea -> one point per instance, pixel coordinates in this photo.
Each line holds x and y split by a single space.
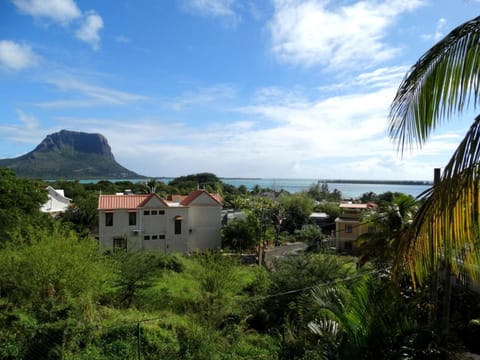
350 190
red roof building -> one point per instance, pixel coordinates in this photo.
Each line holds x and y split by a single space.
147 221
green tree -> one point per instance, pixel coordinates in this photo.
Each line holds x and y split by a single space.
389 222
136 271
441 84
18 193
20 202
367 317
49 289
240 235
278 215
321 192
188 183
297 210
289 313
218 280
259 215
82 214
311 234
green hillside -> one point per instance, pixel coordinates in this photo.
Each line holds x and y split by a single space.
70 155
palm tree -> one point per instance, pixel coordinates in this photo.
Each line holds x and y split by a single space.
443 83
367 318
390 222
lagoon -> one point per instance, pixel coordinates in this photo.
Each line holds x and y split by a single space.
350 189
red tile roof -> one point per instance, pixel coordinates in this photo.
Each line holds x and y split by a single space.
176 198
358 205
113 202
216 197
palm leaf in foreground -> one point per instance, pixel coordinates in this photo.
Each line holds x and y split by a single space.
442 82
446 227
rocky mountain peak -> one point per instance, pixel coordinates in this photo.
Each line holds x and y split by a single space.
76 142
70 155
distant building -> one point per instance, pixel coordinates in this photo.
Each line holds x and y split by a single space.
349 225
319 218
57 202
149 222
232 215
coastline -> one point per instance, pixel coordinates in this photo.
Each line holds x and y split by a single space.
332 181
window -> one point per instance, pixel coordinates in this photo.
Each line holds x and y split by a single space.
154 212
161 237
178 225
146 237
347 245
132 218
154 237
146 212
161 212
109 219
119 243
372 230
348 229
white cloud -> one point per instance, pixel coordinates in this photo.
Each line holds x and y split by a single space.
319 32
60 11
202 96
16 56
121 39
65 12
215 8
438 34
277 135
90 94
91 25
29 122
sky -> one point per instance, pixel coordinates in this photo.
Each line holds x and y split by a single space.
238 88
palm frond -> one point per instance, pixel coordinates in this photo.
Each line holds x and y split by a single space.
446 226
442 82
327 328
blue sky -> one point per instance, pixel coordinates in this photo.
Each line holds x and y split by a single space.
239 88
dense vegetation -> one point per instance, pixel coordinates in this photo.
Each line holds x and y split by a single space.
61 298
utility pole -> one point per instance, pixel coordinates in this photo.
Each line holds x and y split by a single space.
139 341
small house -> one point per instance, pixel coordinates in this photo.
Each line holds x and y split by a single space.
57 202
349 225
147 221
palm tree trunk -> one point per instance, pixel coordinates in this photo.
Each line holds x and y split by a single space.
447 299
434 279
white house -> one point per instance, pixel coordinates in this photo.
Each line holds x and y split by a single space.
57 202
147 221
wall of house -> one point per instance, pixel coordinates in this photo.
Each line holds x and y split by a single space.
55 202
119 228
345 241
155 226
205 224
177 242
155 231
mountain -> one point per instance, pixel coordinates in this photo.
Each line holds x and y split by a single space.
70 155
